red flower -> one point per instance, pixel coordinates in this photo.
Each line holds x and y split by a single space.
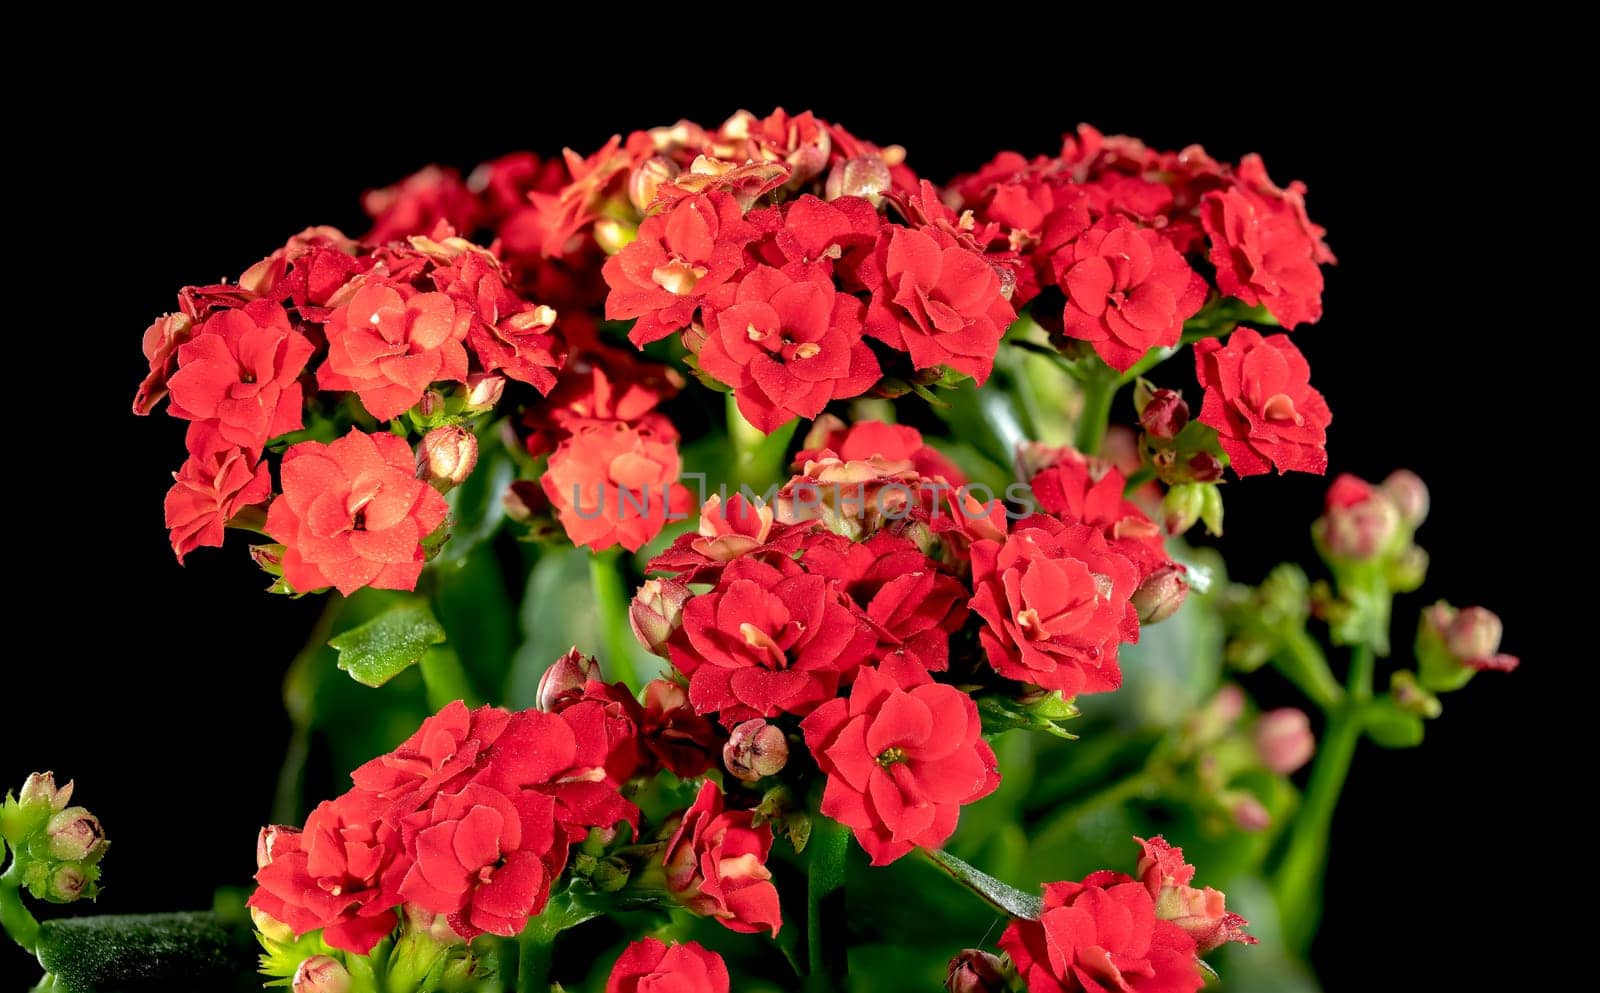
389 342
417 203
563 214
717 865
1101 935
480 856
938 301
744 528
240 372
762 644
443 753
341 874
213 486
787 347
1128 291
648 966
1260 399
612 708
865 439
680 255
353 514
1202 913
508 334
900 762
912 606
1058 600
673 736
612 482
162 339
809 235
1081 491
1265 248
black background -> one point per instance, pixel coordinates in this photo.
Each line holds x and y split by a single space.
158 690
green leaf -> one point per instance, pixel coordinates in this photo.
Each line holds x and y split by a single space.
1390 726
389 644
131 954
1002 896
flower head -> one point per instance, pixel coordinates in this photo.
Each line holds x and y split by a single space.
716 865
1260 400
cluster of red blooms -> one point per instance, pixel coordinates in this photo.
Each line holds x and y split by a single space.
843 618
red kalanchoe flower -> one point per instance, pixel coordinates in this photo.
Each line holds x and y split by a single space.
680 255
389 342
1102 935
717 865
480 856
863 440
812 238
901 761
674 737
1202 913
761 643
1128 291
240 372
211 488
442 754
341 874
648 966
787 347
1260 399
1265 248
611 708
162 339
417 203
615 482
938 301
1081 491
1058 601
353 513
509 335
742 528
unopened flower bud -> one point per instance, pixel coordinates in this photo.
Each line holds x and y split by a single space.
67 883
1214 720
564 681
1165 415
1203 467
40 787
274 840
446 457
1283 740
755 749
610 874
613 235
1454 644
1161 594
484 391
1359 521
1181 507
75 835
420 920
431 404
1474 633
656 613
1411 697
1410 496
977 971
525 500
1248 813
321 974
864 176
270 927
647 178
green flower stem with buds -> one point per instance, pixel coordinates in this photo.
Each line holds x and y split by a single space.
1301 661
616 631
826 854
1297 883
15 918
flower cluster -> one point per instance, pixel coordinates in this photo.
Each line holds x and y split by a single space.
471 818
1109 238
387 324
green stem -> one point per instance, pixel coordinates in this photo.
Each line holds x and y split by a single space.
444 678
1297 883
1098 390
826 959
1151 359
1140 476
15 919
1301 661
605 576
535 954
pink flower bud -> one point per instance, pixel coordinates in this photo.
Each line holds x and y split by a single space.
432 403
865 176
75 835
1284 740
483 392
564 681
1248 813
447 456
656 613
321 974
1410 496
1161 594
1165 415
270 927
755 749
1205 467
977 971
40 787
436 926
1473 634
67 883
647 178
1359 521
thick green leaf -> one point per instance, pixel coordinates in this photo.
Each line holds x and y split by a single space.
156 952
1002 896
389 644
